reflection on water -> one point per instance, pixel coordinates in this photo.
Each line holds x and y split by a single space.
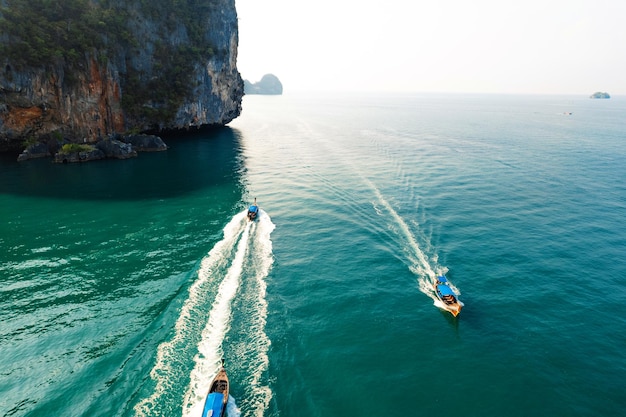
192 162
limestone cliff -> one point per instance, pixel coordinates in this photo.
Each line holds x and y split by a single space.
269 84
83 69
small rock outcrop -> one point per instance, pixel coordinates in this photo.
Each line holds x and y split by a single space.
146 143
269 84
113 148
34 151
600 94
90 153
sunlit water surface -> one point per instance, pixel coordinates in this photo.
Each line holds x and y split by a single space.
123 284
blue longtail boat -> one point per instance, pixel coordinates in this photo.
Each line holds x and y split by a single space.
448 297
216 400
253 211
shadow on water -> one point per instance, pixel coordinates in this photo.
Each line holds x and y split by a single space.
452 321
194 161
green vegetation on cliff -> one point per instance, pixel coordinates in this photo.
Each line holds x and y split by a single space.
75 147
42 33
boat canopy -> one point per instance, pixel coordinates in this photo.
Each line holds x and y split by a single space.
442 279
445 290
213 405
253 209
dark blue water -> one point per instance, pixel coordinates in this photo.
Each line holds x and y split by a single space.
124 283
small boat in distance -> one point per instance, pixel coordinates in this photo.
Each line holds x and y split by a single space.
216 400
253 211
449 299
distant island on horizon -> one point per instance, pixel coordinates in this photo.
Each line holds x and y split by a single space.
269 85
600 94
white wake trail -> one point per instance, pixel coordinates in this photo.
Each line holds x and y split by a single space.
210 348
420 264
260 395
168 352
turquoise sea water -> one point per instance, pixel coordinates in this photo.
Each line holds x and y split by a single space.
124 283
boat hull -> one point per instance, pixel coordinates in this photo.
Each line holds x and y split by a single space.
454 310
217 398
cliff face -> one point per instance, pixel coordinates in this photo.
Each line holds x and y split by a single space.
37 102
149 67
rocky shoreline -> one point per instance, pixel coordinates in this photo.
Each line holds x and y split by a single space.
113 147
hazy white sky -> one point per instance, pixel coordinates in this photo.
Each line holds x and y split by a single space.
490 46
